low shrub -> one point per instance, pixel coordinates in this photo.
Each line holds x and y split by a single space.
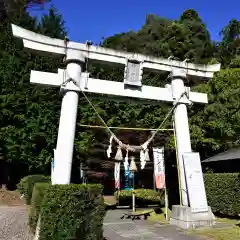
27 183
37 197
223 192
72 212
142 197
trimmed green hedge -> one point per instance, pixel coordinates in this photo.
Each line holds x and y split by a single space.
37 197
27 183
72 212
142 197
223 192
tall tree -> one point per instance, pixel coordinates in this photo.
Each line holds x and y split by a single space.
29 114
231 32
11 8
184 38
187 37
229 48
215 127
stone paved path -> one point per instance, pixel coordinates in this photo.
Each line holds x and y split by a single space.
118 229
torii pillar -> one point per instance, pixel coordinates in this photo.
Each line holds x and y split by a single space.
180 118
183 215
68 117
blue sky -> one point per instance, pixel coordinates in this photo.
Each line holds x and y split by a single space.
94 19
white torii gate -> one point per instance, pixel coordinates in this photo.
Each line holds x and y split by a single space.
132 87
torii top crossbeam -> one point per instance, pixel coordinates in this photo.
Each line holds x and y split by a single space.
43 43
133 62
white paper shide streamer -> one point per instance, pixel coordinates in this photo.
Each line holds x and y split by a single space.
117 175
109 150
142 159
126 163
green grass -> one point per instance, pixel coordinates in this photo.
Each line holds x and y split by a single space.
230 233
227 220
157 217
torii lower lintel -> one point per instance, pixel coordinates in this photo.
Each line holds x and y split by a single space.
116 89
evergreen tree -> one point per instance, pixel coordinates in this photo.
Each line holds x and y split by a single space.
183 38
229 48
29 114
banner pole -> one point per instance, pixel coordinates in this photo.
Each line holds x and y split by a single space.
165 192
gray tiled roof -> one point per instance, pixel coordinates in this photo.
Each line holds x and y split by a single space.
230 154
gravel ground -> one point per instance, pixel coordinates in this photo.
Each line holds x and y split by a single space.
14 226
13 223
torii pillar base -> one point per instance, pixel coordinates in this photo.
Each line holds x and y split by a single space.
183 217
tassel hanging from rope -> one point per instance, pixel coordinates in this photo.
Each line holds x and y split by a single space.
146 155
119 156
133 166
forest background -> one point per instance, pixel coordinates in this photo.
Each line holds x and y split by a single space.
29 114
